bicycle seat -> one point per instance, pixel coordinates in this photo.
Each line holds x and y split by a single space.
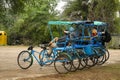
43 46
30 48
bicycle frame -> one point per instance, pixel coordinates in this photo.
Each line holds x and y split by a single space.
42 53
32 52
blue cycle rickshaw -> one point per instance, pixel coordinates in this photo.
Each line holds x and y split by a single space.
63 62
93 47
73 53
89 49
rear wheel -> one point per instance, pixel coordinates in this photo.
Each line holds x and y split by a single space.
82 59
92 60
62 63
103 55
101 59
24 59
75 64
107 54
82 64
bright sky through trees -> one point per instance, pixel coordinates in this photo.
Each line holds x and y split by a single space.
60 6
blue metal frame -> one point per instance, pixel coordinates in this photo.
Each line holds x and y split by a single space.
42 53
85 24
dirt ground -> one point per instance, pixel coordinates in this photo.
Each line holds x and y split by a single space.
9 70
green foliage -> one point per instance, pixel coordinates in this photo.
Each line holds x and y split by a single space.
103 10
35 24
117 24
76 8
25 21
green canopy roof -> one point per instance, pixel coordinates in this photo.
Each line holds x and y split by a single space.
99 23
86 23
64 22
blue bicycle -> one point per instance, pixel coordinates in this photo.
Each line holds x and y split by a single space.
25 58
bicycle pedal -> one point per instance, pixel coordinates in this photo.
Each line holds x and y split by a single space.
48 55
41 65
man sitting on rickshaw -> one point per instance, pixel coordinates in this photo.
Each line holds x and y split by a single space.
54 43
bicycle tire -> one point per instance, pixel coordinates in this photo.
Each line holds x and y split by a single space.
102 61
102 57
82 58
82 64
62 64
93 60
107 55
100 54
75 62
27 60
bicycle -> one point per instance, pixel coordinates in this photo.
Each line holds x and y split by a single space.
25 58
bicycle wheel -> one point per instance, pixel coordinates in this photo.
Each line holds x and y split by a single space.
46 58
107 54
82 64
91 60
75 62
100 54
82 59
24 60
101 59
62 64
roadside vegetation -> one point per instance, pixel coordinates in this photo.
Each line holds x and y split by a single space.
25 21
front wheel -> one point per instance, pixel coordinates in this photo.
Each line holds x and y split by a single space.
24 60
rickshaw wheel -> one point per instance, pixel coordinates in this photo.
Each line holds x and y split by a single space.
62 64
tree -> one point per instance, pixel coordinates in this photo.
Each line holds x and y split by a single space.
8 8
117 19
33 28
76 9
103 10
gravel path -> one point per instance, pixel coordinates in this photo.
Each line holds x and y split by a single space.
9 70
